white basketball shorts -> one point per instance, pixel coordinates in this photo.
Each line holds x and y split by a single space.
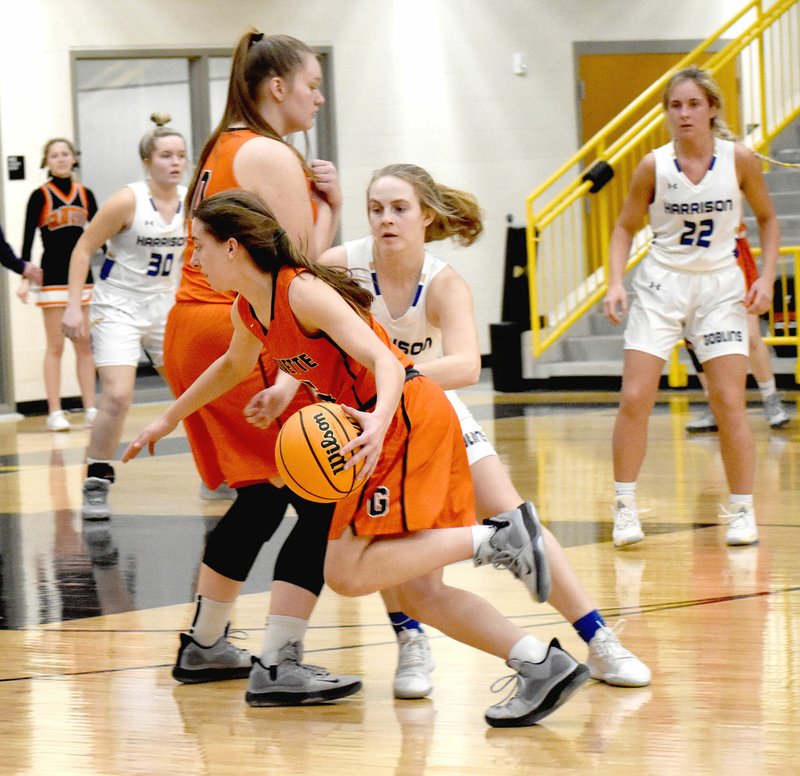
122 326
705 308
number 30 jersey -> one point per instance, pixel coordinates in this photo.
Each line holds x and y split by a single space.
146 257
694 225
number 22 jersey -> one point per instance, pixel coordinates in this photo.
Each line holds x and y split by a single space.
694 225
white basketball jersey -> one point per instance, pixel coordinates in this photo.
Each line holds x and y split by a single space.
694 225
412 332
146 257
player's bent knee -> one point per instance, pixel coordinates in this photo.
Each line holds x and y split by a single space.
347 584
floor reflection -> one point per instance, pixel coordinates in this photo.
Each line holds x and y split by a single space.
54 566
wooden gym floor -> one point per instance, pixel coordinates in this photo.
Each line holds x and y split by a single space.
89 617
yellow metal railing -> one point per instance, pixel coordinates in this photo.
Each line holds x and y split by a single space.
568 226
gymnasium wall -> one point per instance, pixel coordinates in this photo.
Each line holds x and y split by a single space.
424 81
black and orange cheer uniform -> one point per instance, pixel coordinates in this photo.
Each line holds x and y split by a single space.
60 209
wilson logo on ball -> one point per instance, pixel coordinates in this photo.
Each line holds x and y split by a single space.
329 443
308 452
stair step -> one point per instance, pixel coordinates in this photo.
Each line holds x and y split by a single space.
790 230
787 202
599 324
782 179
598 347
790 155
613 368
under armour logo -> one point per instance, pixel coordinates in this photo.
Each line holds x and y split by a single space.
672 185
657 286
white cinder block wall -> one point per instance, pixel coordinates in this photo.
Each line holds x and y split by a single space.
423 81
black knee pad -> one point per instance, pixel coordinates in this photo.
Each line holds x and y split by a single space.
233 546
301 559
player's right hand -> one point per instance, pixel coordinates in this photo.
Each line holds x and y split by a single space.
615 304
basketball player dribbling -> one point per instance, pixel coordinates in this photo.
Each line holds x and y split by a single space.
414 514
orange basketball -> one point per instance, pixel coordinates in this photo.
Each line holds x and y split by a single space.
307 452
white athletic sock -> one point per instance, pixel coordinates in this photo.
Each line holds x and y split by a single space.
767 389
280 631
741 498
210 620
625 489
529 649
480 534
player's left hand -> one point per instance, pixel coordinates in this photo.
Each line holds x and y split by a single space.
326 182
266 406
759 297
368 444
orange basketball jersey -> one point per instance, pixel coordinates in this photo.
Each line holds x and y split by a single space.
217 176
422 479
224 445
315 361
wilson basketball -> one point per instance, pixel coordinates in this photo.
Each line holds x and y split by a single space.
307 452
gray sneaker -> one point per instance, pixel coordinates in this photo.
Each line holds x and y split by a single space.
100 544
95 498
221 493
540 688
290 682
222 660
702 424
776 414
518 545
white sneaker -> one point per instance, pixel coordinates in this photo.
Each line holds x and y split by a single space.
57 421
611 663
627 527
773 409
741 525
89 416
412 679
